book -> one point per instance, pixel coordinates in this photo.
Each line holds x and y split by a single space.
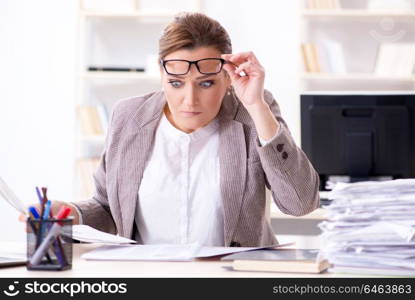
326 56
103 117
387 4
85 170
279 260
395 59
335 57
310 57
93 120
323 4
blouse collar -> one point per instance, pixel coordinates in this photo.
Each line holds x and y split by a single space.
200 133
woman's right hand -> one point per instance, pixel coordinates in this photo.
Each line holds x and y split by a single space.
56 206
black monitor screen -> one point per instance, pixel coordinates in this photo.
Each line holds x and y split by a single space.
359 135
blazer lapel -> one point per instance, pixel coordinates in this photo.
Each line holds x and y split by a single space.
232 158
134 152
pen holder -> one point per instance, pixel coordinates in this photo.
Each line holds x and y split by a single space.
49 244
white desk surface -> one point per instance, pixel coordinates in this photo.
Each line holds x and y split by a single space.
211 267
318 215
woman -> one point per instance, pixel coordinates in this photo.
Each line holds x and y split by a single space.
190 163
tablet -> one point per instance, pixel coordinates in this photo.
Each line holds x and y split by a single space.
9 262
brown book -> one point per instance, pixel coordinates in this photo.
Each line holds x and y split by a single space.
85 124
90 120
306 59
85 170
315 59
99 130
319 4
311 4
279 260
326 4
310 57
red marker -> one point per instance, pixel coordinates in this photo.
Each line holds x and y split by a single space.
63 212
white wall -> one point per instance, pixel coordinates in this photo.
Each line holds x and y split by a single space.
37 56
38 71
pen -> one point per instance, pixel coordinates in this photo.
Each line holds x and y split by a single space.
39 196
44 191
42 211
34 212
34 215
50 237
51 213
47 210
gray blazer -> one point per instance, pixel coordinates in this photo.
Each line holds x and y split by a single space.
245 169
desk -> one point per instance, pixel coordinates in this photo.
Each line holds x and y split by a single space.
211 267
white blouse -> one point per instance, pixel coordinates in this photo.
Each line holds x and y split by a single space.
179 196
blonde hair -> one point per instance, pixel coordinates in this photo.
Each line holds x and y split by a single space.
193 30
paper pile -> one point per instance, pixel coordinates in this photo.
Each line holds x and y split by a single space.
371 228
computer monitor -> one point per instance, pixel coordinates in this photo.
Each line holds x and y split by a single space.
359 135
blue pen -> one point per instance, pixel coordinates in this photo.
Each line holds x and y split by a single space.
36 216
34 212
47 210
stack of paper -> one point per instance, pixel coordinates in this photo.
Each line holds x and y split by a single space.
371 228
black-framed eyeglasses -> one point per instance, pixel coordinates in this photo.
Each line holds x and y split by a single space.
206 66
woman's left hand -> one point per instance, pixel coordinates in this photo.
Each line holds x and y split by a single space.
250 87
250 90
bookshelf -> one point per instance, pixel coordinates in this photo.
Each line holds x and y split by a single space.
344 45
356 13
114 34
120 75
